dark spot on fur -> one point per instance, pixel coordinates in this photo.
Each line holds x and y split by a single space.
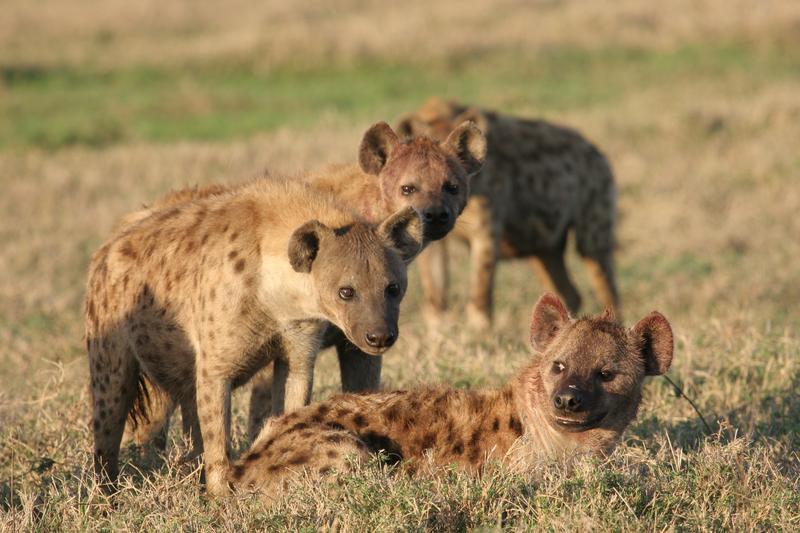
325 470
335 438
234 235
298 459
359 421
380 442
331 454
427 441
515 425
238 471
458 448
496 424
127 250
334 425
391 414
239 266
254 456
232 254
297 427
476 437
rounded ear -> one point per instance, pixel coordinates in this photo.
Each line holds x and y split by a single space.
403 231
377 145
549 317
408 126
654 335
475 115
469 144
304 245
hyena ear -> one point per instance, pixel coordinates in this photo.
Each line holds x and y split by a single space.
304 245
377 145
549 317
403 232
468 142
473 114
409 126
654 335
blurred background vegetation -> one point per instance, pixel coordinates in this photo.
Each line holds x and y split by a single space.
106 104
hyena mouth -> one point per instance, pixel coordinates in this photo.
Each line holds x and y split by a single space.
436 232
572 425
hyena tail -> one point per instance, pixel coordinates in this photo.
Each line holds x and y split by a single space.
140 412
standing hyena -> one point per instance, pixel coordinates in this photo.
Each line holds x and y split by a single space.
580 392
539 180
431 176
193 299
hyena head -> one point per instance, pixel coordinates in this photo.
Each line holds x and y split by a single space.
591 370
359 273
437 118
432 176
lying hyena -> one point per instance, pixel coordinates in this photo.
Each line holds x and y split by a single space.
578 395
539 180
193 299
431 176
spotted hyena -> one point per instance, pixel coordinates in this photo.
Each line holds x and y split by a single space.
577 396
193 299
431 176
539 181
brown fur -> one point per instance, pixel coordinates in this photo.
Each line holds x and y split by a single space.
517 424
539 181
194 298
440 175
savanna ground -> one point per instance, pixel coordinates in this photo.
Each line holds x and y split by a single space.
105 105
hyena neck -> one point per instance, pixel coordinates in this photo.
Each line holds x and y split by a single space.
540 440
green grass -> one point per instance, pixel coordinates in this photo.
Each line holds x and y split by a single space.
61 106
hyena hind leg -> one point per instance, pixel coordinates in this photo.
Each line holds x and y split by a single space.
275 460
116 393
551 271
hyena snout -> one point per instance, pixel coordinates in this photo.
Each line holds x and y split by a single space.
384 338
439 221
569 400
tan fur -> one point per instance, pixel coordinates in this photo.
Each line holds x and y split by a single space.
539 181
194 298
517 424
439 172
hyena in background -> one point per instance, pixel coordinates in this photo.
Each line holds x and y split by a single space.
539 181
577 396
193 299
431 176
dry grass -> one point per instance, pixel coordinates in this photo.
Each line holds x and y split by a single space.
708 176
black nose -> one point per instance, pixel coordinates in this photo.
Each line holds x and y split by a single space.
569 400
437 216
381 340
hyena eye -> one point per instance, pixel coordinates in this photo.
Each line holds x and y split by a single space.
408 190
606 375
450 187
558 367
393 290
347 293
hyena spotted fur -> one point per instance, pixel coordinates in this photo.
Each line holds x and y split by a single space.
193 299
578 394
539 181
431 176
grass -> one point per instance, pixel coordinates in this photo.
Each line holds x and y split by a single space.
697 117
53 107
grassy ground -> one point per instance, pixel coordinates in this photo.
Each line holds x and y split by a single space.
694 102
